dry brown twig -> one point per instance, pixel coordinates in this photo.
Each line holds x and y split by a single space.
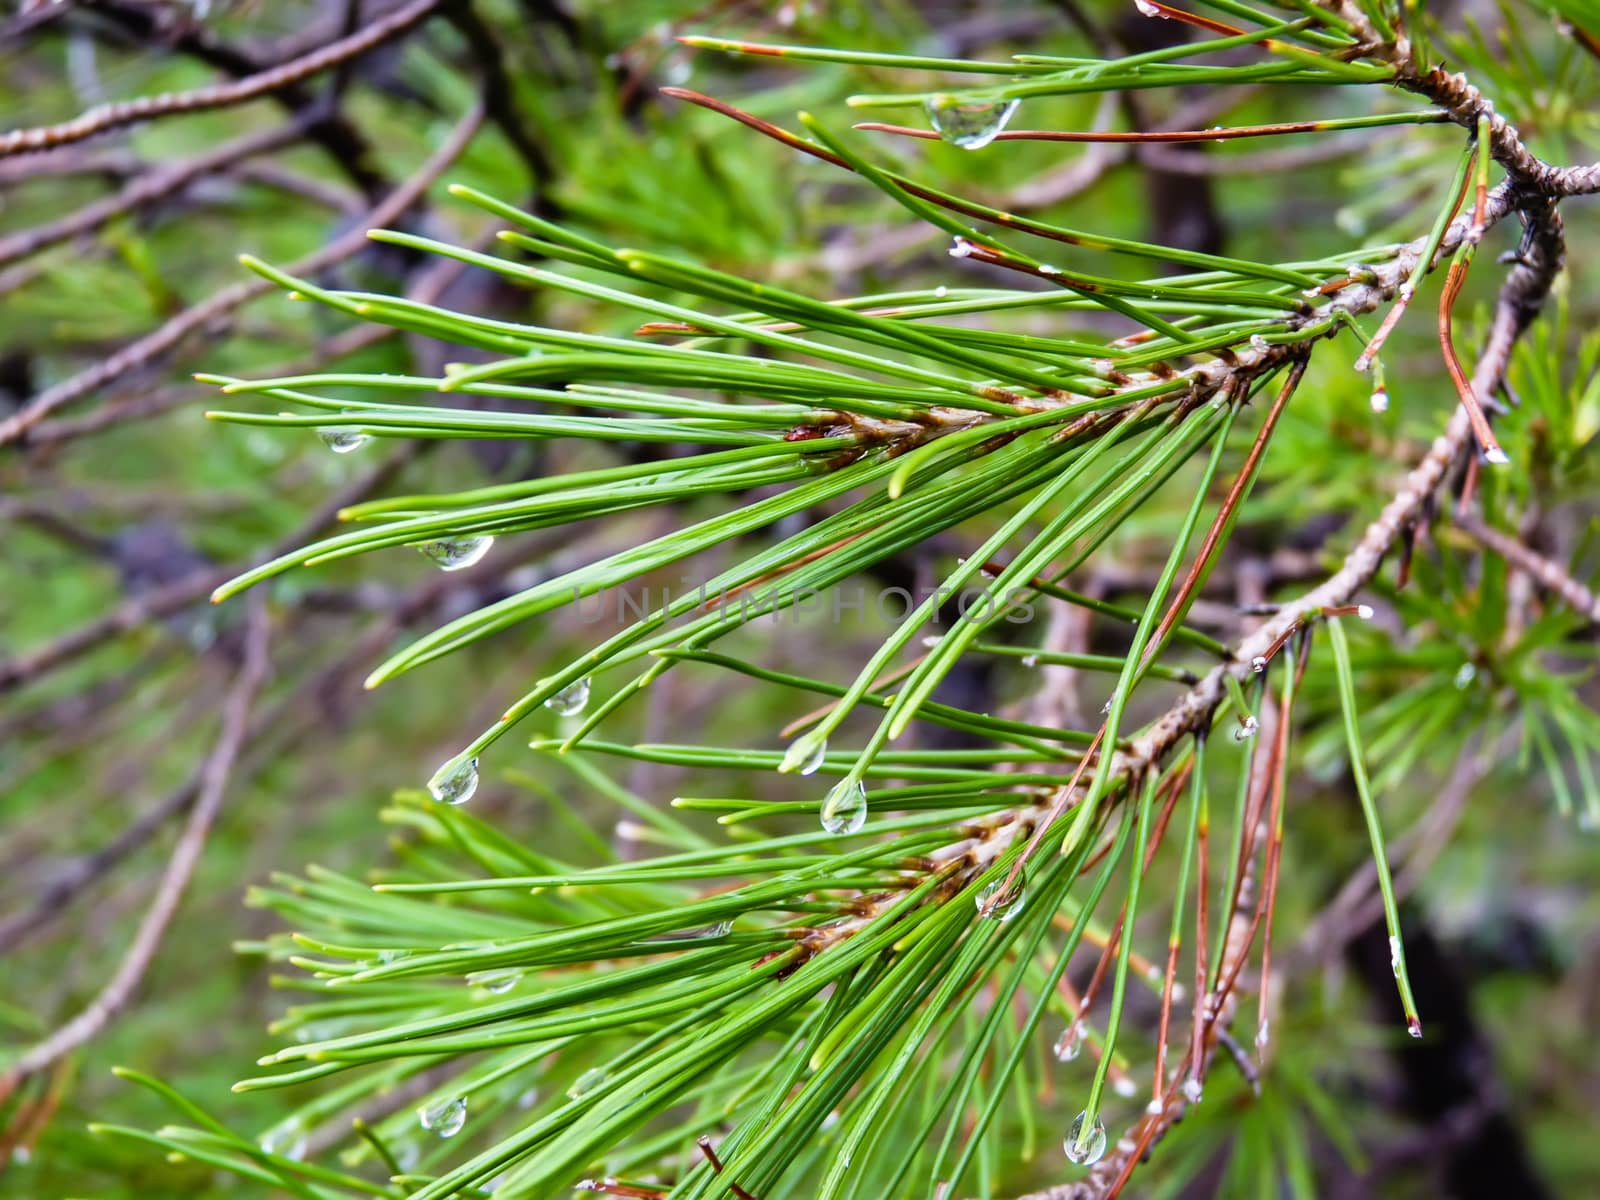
219 305
122 113
214 777
1551 576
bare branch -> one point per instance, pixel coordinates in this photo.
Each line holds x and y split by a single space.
199 316
174 882
123 113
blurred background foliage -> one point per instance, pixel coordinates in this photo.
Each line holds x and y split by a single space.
126 493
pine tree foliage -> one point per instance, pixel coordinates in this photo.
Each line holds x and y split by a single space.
857 986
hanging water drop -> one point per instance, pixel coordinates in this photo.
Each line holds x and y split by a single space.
1380 400
997 905
455 782
455 553
1258 664
1414 1027
1247 729
1030 660
970 124
1124 1086
1070 1044
1148 9
804 755
1192 1091
1365 611
1465 676
586 1083
445 1118
342 441
288 1140
1086 1140
570 700
844 808
496 983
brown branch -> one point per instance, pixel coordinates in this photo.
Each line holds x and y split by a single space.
217 306
122 113
180 594
114 997
1551 576
155 185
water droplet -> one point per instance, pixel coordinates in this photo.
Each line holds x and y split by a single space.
1124 1086
960 248
996 905
454 553
932 640
804 755
1414 1027
1070 1044
1085 1141
1365 611
1247 730
1155 1108
844 808
1192 1091
1465 676
1147 9
389 956
288 1140
941 291
1380 400
1179 993
496 983
702 933
342 441
444 1118
586 1083
528 1098
1258 664
455 782
1259 344
570 700
1261 1036
970 124
1350 222
1030 660
1105 709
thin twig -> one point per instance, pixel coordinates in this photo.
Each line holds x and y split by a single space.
174 881
191 320
1551 576
122 113
159 184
